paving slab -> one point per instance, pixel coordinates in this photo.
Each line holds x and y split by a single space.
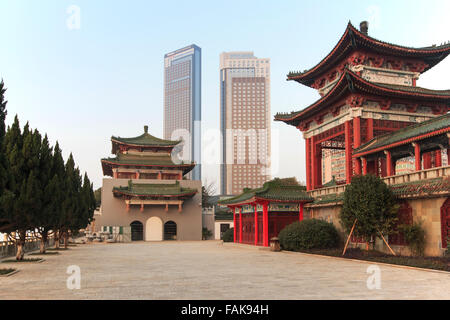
211 270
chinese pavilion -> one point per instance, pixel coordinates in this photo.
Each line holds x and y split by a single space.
372 109
144 157
148 191
368 89
260 214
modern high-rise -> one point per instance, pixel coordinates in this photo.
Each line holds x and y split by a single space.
244 121
182 102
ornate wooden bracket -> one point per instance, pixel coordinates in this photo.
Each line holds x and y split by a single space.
412 107
385 104
355 101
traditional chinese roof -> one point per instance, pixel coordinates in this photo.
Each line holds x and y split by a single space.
328 199
415 132
223 215
144 162
146 190
279 190
353 39
350 82
144 140
438 186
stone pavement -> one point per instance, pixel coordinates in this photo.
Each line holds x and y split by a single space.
210 270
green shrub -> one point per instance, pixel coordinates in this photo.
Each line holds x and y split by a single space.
206 233
415 238
228 236
309 234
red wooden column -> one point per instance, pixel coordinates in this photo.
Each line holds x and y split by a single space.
240 224
300 213
438 158
234 224
364 165
357 141
265 225
389 167
318 175
256 224
426 160
308 163
417 156
369 129
313 162
348 152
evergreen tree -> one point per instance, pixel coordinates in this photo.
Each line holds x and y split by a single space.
370 202
23 183
44 217
4 222
58 189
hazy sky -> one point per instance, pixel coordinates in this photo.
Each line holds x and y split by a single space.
80 86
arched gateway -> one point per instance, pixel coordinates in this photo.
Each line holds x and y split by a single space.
137 231
154 229
170 230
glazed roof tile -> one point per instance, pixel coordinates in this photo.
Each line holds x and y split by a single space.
152 190
405 135
353 39
277 189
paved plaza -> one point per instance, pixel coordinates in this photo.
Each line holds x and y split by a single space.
211 270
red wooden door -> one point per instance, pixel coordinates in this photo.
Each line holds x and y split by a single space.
445 222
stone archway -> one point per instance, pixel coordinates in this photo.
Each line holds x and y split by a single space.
445 223
170 230
154 229
137 231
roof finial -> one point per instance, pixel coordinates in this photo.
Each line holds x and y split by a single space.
364 27
146 129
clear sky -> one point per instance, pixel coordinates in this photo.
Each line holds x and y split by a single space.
80 86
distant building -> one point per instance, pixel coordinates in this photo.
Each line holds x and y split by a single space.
182 102
244 121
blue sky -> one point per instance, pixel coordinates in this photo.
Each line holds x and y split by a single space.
106 78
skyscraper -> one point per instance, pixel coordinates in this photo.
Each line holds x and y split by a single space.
182 102
244 121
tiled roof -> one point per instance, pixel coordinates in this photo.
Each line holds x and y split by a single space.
143 161
145 139
223 215
406 134
353 39
422 187
154 190
419 90
329 198
277 189
350 81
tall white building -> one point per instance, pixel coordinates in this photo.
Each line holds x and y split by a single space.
244 121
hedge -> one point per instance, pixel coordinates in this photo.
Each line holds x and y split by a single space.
309 234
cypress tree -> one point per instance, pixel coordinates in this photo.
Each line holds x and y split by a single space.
43 217
59 192
4 222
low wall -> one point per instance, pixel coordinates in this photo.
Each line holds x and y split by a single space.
9 248
427 210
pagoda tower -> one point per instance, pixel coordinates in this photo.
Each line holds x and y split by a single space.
368 89
147 190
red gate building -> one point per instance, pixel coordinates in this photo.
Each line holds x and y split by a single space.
260 214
